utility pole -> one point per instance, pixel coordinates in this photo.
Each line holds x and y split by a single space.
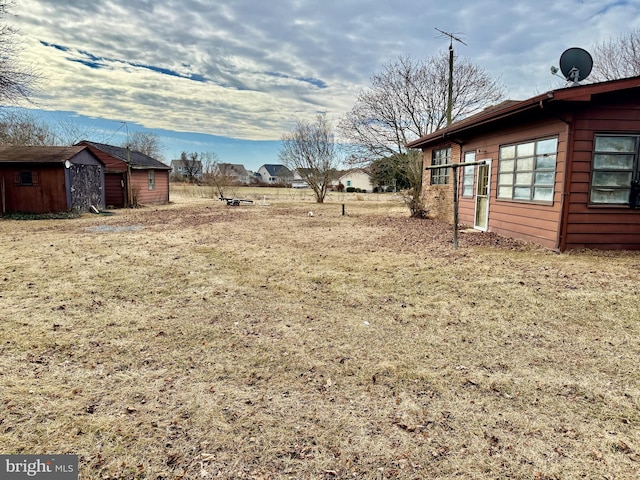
452 37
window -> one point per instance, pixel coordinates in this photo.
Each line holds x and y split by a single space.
26 178
527 171
152 179
468 176
615 165
440 176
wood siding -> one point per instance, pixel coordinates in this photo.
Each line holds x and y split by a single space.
115 189
531 221
48 196
604 227
140 185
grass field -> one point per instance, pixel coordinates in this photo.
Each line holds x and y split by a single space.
197 340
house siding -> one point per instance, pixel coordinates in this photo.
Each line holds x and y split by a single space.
529 221
603 227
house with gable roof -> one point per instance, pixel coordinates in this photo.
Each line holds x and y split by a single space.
275 174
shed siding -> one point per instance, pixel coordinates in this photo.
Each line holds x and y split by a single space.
48 196
140 185
600 226
115 189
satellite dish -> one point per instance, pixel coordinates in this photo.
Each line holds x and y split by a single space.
67 164
576 64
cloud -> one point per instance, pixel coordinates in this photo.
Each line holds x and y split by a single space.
249 69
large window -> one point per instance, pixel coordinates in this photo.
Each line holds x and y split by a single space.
527 171
615 164
469 174
440 176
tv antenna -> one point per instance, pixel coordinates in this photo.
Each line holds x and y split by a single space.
452 37
575 65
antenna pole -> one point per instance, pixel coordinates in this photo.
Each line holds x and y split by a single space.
452 37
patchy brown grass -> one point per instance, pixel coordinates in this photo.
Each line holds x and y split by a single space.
198 340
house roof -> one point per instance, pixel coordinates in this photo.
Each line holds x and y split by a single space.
39 154
277 170
512 108
137 160
182 163
233 169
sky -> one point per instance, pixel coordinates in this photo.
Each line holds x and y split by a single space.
232 76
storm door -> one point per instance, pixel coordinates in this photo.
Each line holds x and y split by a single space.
482 196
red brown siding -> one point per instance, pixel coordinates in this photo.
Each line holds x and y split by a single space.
49 195
599 226
140 184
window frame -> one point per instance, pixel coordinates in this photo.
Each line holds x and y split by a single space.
515 178
634 170
152 179
21 175
469 175
440 156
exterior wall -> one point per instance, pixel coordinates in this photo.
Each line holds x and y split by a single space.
140 186
439 198
115 187
605 227
86 177
48 196
536 222
357 179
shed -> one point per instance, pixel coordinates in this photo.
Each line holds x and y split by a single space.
50 179
131 177
561 168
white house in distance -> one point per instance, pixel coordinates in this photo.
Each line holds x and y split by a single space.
357 178
275 174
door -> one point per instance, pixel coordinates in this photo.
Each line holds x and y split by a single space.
482 196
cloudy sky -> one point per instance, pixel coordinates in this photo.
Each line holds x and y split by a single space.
231 76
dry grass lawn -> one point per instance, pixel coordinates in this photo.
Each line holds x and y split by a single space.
202 341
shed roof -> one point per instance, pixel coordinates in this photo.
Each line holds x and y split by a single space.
512 108
32 154
137 160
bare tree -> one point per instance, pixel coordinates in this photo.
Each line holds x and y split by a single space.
190 167
617 57
145 142
310 150
17 81
407 100
20 128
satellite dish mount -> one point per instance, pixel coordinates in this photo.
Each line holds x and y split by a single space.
575 64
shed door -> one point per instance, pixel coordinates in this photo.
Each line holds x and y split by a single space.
482 196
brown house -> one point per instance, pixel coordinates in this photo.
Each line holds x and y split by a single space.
131 177
561 169
50 179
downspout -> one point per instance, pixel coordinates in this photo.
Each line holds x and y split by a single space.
561 237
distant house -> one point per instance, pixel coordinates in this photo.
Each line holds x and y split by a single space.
235 172
50 179
275 174
131 177
189 170
560 169
357 178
